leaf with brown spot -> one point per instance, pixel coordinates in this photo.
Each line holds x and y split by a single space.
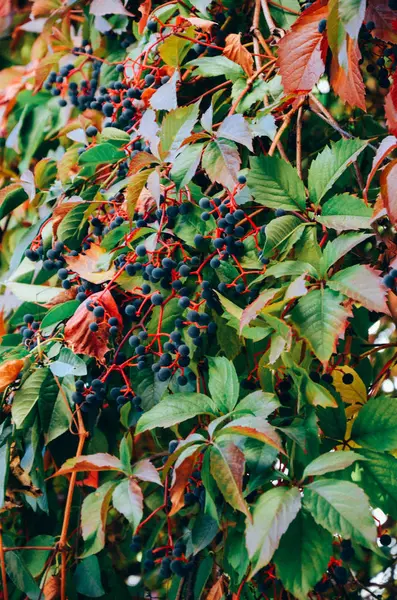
86 265
80 338
349 85
62 297
235 51
9 371
303 50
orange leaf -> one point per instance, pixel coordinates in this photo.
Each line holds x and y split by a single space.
180 479
203 24
349 85
302 52
216 592
52 588
9 371
86 265
385 20
80 338
387 145
388 187
92 480
145 8
235 51
141 160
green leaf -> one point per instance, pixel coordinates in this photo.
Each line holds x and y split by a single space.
216 67
128 500
27 396
256 428
175 128
115 136
363 284
222 162
275 183
11 197
87 578
187 226
340 246
185 164
290 268
329 165
4 469
341 507
351 13
300 569
279 230
223 383
59 313
330 462
68 363
73 226
375 426
41 294
227 468
174 49
176 409
54 411
93 518
378 476
345 212
35 560
258 403
101 153
273 513
20 576
320 318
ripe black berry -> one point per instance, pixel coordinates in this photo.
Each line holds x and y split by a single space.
347 378
385 539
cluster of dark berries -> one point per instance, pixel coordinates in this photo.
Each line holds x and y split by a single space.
89 397
29 330
390 280
347 550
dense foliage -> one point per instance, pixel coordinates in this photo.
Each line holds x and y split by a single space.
198 252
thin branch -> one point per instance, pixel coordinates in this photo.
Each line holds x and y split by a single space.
286 122
268 17
3 566
299 142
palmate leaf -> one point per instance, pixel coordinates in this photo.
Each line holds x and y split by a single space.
376 424
227 466
93 518
329 165
272 515
176 409
300 569
341 507
345 212
330 462
320 318
378 476
222 161
276 184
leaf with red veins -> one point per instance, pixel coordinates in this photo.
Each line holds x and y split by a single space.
80 338
385 20
302 52
86 265
349 85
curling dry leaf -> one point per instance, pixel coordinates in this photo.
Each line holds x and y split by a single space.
9 371
349 84
303 50
80 338
88 266
235 51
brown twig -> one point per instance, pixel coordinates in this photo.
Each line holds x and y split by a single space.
247 88
286 122
82 433
3 566
268 17
299 142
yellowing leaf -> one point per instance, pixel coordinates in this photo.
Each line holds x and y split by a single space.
353 393
88 266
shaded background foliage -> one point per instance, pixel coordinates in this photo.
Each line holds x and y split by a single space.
198 208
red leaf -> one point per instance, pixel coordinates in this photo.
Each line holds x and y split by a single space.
302 52
385 147
145 8
252 310
80 338
391 108
349 85
385 20
388 187
180 479
235 51
91 462
92 480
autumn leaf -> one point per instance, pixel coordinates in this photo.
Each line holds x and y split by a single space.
216 591
78 335
387 145
235 51
92 462
182 470
302 52
384 18
349 85
391 108
9 371
145 9
52 588
108 7
88 265
62 297
388 186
